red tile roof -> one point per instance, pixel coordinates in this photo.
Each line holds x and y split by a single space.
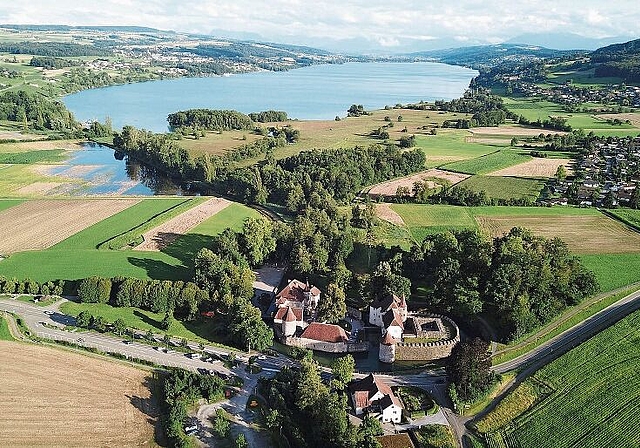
294 291
324 333
282 312
388 339
392 317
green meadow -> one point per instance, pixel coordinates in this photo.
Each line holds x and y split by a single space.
488 163
499 187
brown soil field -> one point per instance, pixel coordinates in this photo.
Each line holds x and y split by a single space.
512 130
166 233
389 188
536 167
595 234
55 398
69 145
384 211
634 118
39 188
40 224
15 135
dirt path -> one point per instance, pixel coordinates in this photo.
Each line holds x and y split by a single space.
166 233
384 211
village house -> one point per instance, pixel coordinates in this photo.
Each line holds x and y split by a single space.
373 396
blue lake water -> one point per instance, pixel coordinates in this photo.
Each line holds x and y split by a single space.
316 92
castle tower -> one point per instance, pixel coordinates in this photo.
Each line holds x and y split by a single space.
289 323
387 350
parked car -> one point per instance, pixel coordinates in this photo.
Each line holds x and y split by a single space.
262 357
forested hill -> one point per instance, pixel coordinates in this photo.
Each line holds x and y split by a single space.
618 60
484 56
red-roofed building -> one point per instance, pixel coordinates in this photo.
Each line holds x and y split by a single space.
375 397
325 333
304 294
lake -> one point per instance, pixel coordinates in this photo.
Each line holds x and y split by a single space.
315 92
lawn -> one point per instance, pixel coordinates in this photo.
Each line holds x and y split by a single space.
488 163
505 187
5 334
202 330
595 387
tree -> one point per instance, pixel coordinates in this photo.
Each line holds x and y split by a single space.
94 290
240 442
84 319
119 327
98 323
469 368
258 240
310 388
370 429
343 368
332 307
166 340
220 424
167 321
273 420
246 327
561 173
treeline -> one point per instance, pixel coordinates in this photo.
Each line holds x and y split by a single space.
28 286
269 116
557 123
50 63
486 110
627 69
183 298
53 49
211 120
454 195
36 111
522 280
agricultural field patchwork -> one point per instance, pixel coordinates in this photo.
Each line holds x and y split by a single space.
537 167
72 399
595 387
433 177
488 163
87 252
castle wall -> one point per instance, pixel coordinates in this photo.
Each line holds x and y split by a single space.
428 351
329 347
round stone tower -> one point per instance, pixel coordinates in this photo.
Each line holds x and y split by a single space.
387 350
289 323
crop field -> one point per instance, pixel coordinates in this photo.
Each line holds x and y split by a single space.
594 387
423 220
505 187
53 397
40 224
628 216
488 163
166 233
31 157
595 234
432 177
79 255
450 145
536 167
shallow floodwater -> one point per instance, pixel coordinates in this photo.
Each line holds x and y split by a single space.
315 92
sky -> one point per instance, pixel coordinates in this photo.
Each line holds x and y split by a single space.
389 25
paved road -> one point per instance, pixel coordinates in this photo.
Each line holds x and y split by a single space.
564 342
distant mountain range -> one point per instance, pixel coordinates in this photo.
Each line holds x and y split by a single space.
565 41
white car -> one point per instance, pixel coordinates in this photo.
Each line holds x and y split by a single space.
262 357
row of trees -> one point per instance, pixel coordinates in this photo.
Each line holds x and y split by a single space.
28 286
36 111
269 116
210 119
521 279
154 295
51 63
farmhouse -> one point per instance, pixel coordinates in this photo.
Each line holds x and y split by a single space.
374 397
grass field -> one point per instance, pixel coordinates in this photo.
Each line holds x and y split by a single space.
8 203
594 386
55 397
488 163
198 331
614 270
5 334
78 257
505 187
423 220
27 158
435 436
534 109
628 216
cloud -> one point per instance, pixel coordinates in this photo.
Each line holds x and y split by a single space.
388 23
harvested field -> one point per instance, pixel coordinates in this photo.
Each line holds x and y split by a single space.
594 234
40 224
384 211
431 176
38 188
55 398
536 167
69 145
634 118
163 235
512 131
